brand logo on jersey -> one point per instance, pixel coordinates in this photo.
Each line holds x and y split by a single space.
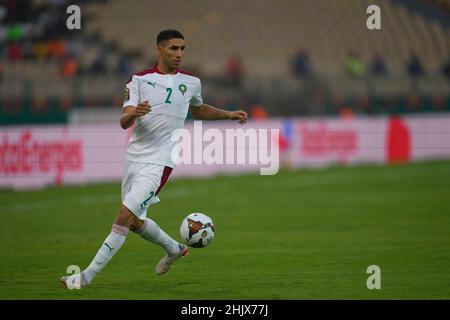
182 87
153 84
127 94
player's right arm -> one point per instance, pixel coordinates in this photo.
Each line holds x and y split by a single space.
132 108
130 113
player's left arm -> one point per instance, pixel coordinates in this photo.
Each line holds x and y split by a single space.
207 112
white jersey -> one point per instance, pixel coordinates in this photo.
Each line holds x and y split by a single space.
169 96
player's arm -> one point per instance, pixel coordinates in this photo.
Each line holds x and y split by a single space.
130 113
207 112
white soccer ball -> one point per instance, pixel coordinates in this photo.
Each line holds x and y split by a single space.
197 230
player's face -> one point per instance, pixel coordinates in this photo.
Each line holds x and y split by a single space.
171 52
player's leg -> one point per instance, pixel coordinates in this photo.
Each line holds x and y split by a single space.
113 241
144 192
108 249
152 232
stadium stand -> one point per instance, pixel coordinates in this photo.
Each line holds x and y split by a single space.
41 60
329 29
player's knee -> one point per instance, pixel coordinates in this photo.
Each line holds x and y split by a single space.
136 225
125 217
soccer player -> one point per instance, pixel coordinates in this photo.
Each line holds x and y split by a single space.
158 101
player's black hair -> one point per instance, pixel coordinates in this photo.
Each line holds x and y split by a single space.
168 34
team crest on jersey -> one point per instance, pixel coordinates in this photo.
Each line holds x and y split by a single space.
127 94
182 87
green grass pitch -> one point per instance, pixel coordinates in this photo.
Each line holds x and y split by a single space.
307 234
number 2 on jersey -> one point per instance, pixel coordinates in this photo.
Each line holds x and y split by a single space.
169 93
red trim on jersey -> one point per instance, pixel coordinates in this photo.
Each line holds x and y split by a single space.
144 72
147 71
166 173
185 72
156 70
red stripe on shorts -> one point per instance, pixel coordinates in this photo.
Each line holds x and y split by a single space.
166 173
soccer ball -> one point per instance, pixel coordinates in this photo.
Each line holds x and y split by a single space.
197 230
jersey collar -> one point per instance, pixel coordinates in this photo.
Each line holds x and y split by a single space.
156 69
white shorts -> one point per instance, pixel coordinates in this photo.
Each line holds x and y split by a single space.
141 183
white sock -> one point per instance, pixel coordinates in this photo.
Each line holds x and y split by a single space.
152 232
110 246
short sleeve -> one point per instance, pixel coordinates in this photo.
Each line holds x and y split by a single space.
197 99
131 93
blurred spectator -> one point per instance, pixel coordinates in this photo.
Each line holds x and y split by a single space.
258 112
2 69
354 66
14 32
14 52
379 67
414 66
446 69
18 10
233 71
27 49
441 4
346 113
301 65
69 66
57 48
57 3
2 35
3 12
40 50
124 64
99 64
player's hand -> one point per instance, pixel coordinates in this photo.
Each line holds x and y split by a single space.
240 115
142 109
